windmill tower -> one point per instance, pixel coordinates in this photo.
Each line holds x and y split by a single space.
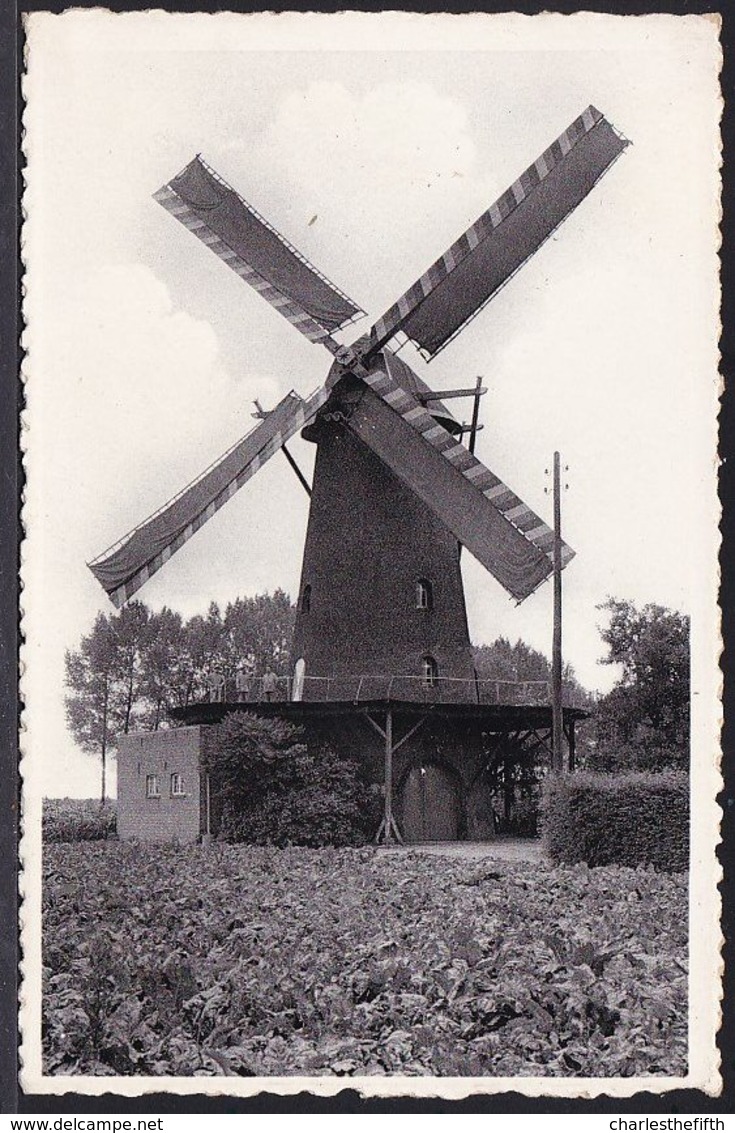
397 585
381 616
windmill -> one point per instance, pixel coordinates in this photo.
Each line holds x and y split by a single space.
381 613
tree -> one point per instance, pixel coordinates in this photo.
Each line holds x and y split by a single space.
202 653
164 680
105 677
130 635
269 787
502 661
644 721
89 676
258 632
254 633
135 665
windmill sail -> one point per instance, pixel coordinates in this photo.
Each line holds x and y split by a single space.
502 532
484 258
235 232
124 567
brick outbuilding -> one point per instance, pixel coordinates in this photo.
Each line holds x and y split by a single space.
160 793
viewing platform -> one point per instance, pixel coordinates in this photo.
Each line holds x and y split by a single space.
493 702
518 714
369 687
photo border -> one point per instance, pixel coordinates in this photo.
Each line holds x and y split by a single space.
347 1100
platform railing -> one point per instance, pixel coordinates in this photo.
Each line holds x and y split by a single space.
370 686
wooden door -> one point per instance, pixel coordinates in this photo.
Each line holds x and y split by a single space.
430 805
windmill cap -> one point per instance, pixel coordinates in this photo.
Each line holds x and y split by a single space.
407 379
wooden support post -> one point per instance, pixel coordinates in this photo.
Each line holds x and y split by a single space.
445 394
207 835
475 414
374 725
388 815
104 742
388 830
408 735
572 746
477 393
557 757
507 796
260 415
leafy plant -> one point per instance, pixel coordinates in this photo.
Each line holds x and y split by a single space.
249 960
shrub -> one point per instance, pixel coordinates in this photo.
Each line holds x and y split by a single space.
635 819
78 820
271 789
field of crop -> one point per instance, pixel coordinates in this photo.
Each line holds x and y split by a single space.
236 960
78 820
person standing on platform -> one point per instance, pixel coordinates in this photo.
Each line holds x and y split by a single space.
242 684
216 686
270 683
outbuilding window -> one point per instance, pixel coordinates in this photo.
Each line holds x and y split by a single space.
306 599
152 787
424 595
177 784
430 671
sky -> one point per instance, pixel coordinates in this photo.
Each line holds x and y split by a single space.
145 352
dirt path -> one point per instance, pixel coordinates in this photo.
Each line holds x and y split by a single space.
501 849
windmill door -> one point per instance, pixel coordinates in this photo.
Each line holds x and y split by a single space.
430 805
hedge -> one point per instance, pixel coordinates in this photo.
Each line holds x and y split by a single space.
633 819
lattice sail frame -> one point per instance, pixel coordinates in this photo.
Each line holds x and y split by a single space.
306 324
503 498
303 412
392 322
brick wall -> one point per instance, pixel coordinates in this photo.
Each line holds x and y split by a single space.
362 615
162 754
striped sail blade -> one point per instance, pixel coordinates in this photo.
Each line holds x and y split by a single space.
507 234
125 566
484 514
206 205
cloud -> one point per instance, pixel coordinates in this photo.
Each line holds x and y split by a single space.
359 133
365 179
135 399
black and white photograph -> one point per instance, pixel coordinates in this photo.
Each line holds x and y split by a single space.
370 568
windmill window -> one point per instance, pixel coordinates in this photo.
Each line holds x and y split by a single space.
152 787
430 671
306 599
177 785
424 595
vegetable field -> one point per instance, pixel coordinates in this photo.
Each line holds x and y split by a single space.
236 960
78 820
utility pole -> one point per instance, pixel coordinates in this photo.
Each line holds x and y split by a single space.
104 740
557 730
